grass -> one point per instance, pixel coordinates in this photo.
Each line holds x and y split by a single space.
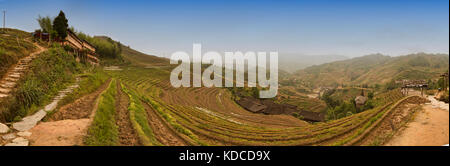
103 130
178 108
13 47
49 73
138 117
90 82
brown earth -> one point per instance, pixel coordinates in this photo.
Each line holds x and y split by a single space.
393 122
430 127
69 125
81 108
164 134
127 135
59 133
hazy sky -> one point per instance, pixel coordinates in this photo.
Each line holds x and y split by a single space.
340 27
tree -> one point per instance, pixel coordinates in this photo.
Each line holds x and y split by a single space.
45 23
370 95
60 25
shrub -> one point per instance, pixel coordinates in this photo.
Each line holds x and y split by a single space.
50 72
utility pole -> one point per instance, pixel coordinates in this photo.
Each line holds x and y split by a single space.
4 21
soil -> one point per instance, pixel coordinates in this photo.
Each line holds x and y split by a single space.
59 133
127 135
81 108
429 127
394 121
69 125
164 134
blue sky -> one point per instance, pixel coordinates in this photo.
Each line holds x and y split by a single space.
320 27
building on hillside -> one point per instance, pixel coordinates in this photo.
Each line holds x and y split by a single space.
360 100
38 34
83 49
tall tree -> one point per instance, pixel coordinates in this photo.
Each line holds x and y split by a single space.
45 23
60 25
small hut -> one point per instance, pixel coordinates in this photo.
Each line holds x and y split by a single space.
360 100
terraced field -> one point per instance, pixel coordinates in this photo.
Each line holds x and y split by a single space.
208 116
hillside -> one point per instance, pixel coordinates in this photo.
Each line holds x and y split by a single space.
14 45
130 56
295 62
141 59
374 69
136 105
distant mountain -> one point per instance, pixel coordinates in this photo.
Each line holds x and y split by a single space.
374 69
138 58
141 59
294 62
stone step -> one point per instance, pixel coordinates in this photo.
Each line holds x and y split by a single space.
9 136
20 67
15 75
11 79
8 85
3 95
24 62
3 128
18 70
5 90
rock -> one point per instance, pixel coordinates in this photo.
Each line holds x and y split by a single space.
9 136
24 133
21 142
29 121
19 139
3 128
51 106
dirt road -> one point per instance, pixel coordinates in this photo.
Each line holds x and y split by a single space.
430 127
69 125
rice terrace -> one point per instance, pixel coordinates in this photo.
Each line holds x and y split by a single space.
60 86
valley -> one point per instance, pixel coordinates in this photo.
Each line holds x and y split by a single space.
127 100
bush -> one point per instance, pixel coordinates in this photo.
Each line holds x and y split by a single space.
444 98
50 72
106 48
104 131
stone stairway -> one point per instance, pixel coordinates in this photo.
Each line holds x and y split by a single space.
9 81
17 134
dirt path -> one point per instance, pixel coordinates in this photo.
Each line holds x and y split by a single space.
9 81
59 133
127 135
430 127
69 125
161 130
81 108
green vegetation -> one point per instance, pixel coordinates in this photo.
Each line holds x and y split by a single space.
60 25
210 117
91 80
340 103
46 24
444 97
106 48
136 58
103 130
13 46
138 117
373 69
49 73
57 27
